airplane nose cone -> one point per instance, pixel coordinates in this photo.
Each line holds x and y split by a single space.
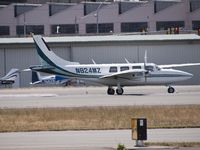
187 75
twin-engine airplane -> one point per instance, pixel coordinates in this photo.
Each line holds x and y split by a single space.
120 75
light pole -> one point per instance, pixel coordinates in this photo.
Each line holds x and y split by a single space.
24 21
97 16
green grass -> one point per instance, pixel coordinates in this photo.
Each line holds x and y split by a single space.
96 118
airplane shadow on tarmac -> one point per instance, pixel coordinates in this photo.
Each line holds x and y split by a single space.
136 94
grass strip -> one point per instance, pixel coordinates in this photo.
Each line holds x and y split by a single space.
97 118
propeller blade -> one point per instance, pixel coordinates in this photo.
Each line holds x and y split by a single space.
145 62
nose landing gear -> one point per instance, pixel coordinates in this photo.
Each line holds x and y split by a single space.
171 89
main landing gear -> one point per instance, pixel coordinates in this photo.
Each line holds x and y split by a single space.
111 91
171 89
120 91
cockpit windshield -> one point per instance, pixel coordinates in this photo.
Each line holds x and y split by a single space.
149 68
158 68
152 68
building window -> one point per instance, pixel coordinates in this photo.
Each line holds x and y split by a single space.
36 29
165 25
195 25
133 26
65 29
91 7
4 30
22 8
103 28
194 5
55 8
113 69
123 68
161 5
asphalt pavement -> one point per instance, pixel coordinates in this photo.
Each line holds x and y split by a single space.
96 96
102 139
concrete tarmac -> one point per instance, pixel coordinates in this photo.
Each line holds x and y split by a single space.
92 140
96 96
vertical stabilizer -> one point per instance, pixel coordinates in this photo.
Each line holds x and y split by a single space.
35 77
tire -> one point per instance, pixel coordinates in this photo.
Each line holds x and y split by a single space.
119 91
171 90
110 91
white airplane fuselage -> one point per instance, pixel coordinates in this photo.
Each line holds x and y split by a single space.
156 76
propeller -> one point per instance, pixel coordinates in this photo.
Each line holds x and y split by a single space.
145 62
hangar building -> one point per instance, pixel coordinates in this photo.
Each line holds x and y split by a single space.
86 18
162 49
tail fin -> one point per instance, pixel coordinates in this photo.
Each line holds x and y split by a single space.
48 57
35 77
11 75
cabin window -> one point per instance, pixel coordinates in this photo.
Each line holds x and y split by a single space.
136 67
124 68
149 68
158 68
113 69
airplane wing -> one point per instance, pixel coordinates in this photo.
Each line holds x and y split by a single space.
127 74
179 65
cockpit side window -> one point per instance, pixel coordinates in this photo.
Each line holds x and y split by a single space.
149 68
136 67
158 68
124 68
113 69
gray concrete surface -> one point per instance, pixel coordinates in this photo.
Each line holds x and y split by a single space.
96 96
97 140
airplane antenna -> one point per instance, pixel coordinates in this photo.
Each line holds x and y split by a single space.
145 57
127 61
93 61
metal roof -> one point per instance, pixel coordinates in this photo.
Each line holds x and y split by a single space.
107 38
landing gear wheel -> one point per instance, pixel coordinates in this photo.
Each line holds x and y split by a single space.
110 91
119 91
171 90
